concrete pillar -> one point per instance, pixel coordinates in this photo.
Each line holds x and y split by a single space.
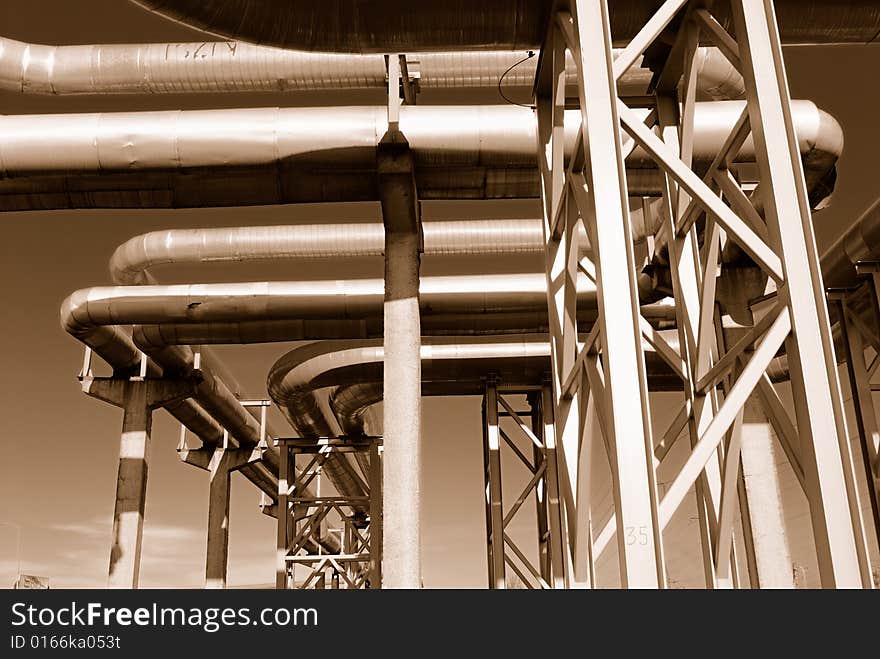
131 488
137 397
217 550
220 461
401 463
761 479
401 495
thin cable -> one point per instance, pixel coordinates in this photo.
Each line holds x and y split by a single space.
503 75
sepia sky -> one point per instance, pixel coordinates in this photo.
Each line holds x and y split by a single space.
60 448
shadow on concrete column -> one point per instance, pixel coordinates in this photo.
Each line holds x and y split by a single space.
401 494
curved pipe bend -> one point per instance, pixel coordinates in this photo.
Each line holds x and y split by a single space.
450 366
861 242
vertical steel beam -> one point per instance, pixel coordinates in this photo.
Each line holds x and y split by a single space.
684 257
814 377
541 503
863 402
375 516
583 573
490 569
495 531
283 516
560 220
556 540
626 392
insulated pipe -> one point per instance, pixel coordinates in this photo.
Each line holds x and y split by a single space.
450 366
92 315
661 314
233 66
288 155
450 360
132 260
860 243
395 26
351 402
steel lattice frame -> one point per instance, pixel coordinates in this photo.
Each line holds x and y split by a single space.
536 428
357 564
599 384
858 316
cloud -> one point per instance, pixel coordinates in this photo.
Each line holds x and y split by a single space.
91 528
75 553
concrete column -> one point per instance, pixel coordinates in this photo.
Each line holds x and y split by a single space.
761 478
137 397
401 495
401 463
220 461
131 488
217 550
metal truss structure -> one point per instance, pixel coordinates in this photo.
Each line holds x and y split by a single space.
302 517
702 212
861 348
535 426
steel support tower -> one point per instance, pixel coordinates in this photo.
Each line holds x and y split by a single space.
701 213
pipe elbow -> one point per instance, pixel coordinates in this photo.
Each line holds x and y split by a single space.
12 69
75 318
717 77
148 338
829 135
129 261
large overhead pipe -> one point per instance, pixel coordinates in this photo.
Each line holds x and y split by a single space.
234 66
86 311
288 155
861 242
131 261
395 26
